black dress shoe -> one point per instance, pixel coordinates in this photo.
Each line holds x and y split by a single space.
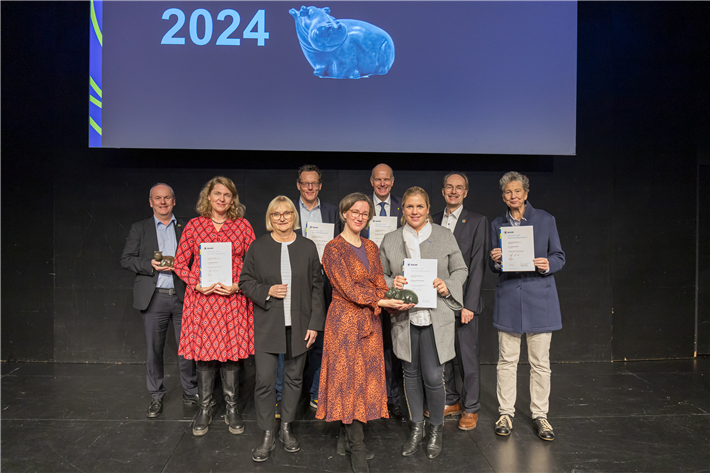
504 425
396 412
544 429
155 408
262 452
286 436
190 399
436 440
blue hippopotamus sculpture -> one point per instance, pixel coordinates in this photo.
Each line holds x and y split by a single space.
342 49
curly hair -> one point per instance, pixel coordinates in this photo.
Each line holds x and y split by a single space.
204 208
513 176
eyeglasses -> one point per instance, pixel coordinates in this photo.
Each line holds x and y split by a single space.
449 188
357 214
309 184
284 215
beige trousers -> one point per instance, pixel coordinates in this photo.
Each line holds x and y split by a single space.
539 357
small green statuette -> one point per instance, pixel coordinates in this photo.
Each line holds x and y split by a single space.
404 295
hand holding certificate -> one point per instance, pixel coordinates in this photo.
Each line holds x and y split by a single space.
420 275
215 264
518 249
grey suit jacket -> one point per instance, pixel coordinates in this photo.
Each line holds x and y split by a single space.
451 268
141 242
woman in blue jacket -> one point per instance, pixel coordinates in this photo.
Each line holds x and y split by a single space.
526 303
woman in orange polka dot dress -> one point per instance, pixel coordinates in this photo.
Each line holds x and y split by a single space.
217 320
352 382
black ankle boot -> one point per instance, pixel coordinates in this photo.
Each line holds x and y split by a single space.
230 388
416 435
262 452
356 436
343 446
205 379
435 442
286 436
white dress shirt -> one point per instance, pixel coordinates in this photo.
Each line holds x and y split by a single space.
388 204
449 221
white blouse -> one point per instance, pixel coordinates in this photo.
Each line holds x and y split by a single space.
418 317
286 279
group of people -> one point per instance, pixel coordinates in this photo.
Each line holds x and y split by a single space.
290 308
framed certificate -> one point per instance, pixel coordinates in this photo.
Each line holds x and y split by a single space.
215 263
518 248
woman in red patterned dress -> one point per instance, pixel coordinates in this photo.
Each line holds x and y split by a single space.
352 382
218 320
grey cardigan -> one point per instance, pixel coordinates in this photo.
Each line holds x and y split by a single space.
441 246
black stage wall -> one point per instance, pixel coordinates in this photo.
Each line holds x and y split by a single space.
631 207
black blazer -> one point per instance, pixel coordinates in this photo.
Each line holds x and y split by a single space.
472 235
261 270
142 241
329 214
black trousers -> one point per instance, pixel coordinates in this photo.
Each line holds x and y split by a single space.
424 374
265 390
467 356
156 319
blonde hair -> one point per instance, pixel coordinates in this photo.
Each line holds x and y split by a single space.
204 208
416 191
281 199
352 199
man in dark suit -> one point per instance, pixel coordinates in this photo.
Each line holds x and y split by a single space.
312 209
471 232
387 205
158 293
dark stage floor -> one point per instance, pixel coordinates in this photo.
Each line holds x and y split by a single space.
617 417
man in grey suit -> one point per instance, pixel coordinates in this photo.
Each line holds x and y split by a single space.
158 293
471 232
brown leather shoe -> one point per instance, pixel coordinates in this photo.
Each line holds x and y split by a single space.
468 421
448 410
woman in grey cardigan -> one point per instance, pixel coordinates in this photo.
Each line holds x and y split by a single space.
424 338
282 276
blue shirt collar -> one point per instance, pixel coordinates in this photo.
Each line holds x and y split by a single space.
173 220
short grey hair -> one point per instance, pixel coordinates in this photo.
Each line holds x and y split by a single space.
150 193
513 176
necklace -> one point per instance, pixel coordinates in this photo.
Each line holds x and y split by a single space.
219 223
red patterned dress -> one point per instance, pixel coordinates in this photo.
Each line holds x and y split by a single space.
352 380
214 327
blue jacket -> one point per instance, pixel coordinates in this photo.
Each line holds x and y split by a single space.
527 302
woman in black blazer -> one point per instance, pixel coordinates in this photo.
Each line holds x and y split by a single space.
282 276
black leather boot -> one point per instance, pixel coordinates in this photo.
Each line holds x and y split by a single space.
230 388
205 380
435 442
262 452
356 437
416 435
286 436
343 446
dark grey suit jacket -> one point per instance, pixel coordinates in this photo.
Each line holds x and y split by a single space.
142 241
261 270
472 235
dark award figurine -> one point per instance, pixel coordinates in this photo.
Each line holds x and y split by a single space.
404 295
165 261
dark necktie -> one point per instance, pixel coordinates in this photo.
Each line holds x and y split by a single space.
382 210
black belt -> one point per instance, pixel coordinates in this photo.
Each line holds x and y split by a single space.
165 290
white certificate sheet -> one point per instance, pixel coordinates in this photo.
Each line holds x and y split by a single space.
381 226
420 275
518 248
320 234
215 263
